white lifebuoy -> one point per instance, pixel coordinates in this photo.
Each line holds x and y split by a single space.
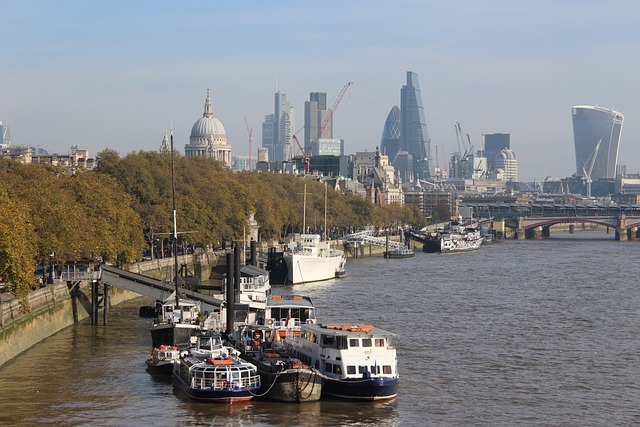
270 322
309 321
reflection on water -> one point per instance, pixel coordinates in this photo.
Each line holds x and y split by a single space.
522 332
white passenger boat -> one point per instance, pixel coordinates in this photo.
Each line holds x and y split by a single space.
213 372
312 259
357 361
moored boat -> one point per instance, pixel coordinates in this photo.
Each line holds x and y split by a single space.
284 378
313 260
213 372
399 253
162 359
357 362
454 237
178 320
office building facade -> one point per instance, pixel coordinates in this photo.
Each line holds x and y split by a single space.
315 115
596 134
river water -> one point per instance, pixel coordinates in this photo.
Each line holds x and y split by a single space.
518 333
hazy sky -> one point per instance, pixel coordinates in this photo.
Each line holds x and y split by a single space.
114 74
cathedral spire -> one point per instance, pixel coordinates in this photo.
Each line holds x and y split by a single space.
208 108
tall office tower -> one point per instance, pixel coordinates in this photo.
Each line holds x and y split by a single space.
390 141
315 113
5 136
267 132
413 128
596 134
276 129
493 144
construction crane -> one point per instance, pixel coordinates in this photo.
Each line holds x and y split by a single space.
307 154
591 160
250 131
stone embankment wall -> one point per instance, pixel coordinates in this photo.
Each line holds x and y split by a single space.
53 309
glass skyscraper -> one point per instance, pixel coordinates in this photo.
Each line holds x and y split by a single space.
413 128
390 141
593 124
276 129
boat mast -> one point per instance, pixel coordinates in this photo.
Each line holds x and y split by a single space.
325 211
304 210
175 226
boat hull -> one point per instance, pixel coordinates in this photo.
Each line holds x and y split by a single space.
159 368
298 385
447 244
305 269
361 389
215 396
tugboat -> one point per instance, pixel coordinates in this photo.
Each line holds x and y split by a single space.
212 372
358 362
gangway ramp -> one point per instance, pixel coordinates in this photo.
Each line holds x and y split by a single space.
154 288
367 238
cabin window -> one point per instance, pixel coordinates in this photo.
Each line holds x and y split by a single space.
354 342
328 367
317 364
375 369
295 313
351 370
362 369
337 369
327 340
366 342
387 369
341 342
379 342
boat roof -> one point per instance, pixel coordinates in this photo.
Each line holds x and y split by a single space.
253 271
289 301
346 329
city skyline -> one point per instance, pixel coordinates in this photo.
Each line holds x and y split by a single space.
117 75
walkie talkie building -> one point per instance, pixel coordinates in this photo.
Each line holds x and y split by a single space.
596 134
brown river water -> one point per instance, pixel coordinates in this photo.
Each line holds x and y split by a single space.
517 333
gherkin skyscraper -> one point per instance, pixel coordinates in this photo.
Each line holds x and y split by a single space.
413 128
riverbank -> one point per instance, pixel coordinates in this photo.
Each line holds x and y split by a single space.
62 304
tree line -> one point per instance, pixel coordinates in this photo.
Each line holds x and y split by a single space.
124 204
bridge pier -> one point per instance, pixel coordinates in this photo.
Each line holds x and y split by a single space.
572 228
546 231
633 233
621 234
533 233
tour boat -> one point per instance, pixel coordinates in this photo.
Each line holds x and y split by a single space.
357 362
212 372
